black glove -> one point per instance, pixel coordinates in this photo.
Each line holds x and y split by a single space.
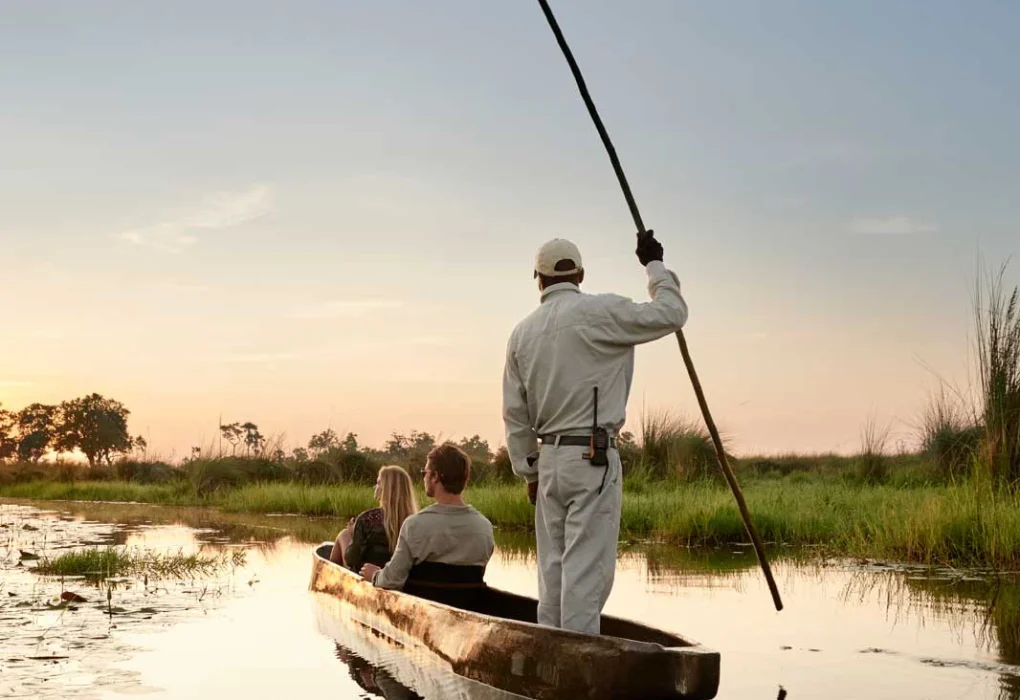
648 249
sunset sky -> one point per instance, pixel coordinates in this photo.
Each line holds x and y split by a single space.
320 214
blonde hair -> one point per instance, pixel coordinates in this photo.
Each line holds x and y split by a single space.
396 496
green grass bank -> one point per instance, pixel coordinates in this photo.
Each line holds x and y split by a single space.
963 525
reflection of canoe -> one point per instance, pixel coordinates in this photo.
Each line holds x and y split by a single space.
504 648
384 668
374 680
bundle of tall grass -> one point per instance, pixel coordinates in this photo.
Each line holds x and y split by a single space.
154 472
317 472
357 468
672 447
998 344
949 437
211 475
872 465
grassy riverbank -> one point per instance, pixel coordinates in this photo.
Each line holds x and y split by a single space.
959 525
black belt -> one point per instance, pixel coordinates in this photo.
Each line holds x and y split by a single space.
571 440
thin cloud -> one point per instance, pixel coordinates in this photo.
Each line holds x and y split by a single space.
181 287
46 334
220 211
228 209
261 357
889 226
432 341
347 308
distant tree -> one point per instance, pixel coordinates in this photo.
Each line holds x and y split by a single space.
140 444
323 442
397 445
350 443
254 442
232 433
477 449
96 425
502 469
36 424
8 440
409 449
299 454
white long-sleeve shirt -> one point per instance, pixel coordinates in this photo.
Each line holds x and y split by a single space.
572 343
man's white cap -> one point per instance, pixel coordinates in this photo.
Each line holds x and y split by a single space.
556 251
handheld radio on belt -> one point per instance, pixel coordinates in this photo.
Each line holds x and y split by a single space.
598 446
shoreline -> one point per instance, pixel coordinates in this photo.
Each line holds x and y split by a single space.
954 526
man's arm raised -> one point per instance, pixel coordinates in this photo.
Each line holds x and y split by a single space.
629 323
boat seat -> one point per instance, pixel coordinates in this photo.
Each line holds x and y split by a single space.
458 586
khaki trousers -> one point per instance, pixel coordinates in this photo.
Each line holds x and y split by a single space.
577 529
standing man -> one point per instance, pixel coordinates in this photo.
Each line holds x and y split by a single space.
573 350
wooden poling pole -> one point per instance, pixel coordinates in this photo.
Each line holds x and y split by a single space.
720 452
731 479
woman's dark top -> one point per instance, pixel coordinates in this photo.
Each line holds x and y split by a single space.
369 544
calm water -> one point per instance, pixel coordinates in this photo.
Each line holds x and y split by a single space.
850 630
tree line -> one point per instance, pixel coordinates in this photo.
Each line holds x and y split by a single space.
245 439
93 424
97 427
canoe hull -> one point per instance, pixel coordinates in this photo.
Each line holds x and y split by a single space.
522 657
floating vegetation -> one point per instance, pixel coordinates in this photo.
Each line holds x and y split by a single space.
107 562
61 633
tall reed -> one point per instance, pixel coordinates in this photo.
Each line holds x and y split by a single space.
997 315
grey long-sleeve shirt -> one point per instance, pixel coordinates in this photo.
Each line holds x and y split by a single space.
446 534
572 343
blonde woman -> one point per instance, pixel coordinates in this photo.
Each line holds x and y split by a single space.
371 537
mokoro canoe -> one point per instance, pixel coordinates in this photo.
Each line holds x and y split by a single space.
501 646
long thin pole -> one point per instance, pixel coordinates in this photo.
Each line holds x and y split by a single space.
720 452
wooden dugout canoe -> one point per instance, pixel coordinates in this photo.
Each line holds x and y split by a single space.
503 647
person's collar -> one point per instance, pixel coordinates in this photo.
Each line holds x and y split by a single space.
560 287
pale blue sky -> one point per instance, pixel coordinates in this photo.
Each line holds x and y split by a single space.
325 212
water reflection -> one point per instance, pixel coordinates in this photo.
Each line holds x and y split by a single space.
372 679
851 629
986 608
378 682
62 636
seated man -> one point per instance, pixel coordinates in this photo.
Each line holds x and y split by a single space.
442 550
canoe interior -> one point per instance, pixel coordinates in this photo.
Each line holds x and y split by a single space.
510 606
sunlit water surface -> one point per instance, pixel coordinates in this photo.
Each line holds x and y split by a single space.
849 630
